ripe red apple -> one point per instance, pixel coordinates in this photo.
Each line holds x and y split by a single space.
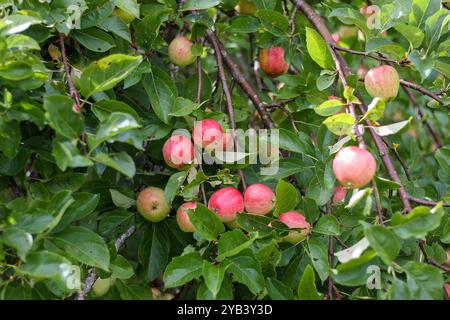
226 203
272 61
207 131
178 152
339 194
295 220
124 15
102 286
259 199
183 218
152 204
180 51
246 7
336 37
382 82
354 167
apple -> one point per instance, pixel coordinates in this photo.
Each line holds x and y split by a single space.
102 286
246 7
152 204
339 194
383 82
180 51
361 72
178 152
272 61
259 199
295 220
207 131
126 16
354 167
183 218
336 37
226 203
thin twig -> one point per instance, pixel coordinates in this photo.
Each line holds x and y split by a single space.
292 19
73 91
422 90
229 103
243 83
255 63
377 204
431 260
427 202
403 62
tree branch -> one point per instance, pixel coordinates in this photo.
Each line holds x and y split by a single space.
92 273
403 62
73 91
343 71
427 202
431 260
243 83
422 90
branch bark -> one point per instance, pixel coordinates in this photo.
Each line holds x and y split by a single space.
73 91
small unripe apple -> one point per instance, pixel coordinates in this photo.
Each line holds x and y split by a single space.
347 32
259 199
207 131
226 203
183 217
178 152
295 220
180 51
354 167
152 204
383 82
246 7
339 194
336 37
272 61
102 286
124 15
361 72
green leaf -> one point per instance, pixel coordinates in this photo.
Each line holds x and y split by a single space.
273 21
383 241
17 239
67 154
231 243
278 290
288 140
413 34
94 39
121 162
417 223
10 137
84 204
424 281
130 6
173 185
329 107
254 223
213 275
286 197
107 72
392 128
340 124
318 50
375 110
116 26
206 222
61 116
46 265
154 251
120 200
84 245
354 272
22 42
104 108
243 25
307 288
183 269
121 268
161 91
442 156
247 270
182 107
133 289
15 70
319 257
328 225
199 4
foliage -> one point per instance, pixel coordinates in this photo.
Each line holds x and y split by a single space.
70 170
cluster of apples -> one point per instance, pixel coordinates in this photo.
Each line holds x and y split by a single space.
258 199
